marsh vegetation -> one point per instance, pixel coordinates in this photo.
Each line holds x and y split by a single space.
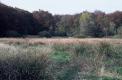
27 61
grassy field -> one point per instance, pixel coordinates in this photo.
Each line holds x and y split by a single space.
60 59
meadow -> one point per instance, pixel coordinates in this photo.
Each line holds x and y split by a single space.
60 59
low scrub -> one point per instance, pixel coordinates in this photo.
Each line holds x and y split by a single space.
61 62
24 64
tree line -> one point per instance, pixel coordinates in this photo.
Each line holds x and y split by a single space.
15 22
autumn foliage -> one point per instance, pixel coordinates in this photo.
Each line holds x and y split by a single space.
15 22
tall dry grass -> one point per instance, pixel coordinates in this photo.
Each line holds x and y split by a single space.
24 63
48 41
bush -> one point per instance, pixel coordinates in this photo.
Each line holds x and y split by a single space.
12 33
117 36
61 34
44 34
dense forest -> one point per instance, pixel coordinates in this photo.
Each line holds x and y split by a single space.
15 22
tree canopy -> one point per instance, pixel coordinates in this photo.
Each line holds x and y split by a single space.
89 24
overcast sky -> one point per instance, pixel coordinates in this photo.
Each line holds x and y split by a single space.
66 6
